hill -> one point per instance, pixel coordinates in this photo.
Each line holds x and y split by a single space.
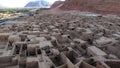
98 6
57 3
40 3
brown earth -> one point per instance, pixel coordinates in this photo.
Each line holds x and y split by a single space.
97 6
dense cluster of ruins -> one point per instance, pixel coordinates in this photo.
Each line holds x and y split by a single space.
60 40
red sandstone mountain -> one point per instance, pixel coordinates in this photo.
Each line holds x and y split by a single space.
98 6
57 3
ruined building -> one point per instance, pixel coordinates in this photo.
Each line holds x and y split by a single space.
60 40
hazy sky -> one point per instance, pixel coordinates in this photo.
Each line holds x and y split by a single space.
18 3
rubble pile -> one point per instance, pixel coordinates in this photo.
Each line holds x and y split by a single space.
60 40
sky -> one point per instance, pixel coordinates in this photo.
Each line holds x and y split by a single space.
18 3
